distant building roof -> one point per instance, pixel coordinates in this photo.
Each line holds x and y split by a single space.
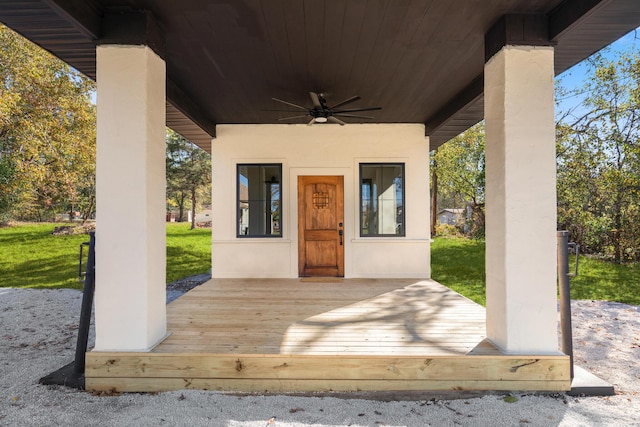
453 211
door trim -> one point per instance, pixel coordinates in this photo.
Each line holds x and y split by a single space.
330 241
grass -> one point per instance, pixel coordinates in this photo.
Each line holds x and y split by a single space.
31 257
602 280
188 251
459 264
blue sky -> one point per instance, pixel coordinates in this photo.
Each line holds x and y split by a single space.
576 76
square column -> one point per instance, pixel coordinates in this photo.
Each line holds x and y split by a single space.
521 200
130 191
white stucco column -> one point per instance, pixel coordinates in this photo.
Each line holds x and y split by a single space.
521 200
130 225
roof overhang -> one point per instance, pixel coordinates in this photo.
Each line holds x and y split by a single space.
422 61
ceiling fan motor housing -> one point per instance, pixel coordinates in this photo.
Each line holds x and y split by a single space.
321 112
316 112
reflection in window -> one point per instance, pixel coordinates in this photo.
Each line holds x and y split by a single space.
382 199
259 200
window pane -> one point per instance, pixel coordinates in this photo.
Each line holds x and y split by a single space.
382 199
259 196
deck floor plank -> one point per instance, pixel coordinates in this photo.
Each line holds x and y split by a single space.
290 316
286 335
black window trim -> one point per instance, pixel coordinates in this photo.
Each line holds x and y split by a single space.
259 236
404 211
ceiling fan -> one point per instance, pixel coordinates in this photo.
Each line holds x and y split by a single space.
322 113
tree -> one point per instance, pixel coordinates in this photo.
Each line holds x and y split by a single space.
599 160
434 195
8 190
47 131
188 172
460 168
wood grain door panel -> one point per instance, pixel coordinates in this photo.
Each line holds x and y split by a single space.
320 221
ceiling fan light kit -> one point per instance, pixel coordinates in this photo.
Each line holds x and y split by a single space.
322 113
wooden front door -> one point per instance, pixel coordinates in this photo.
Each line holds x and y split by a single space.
320 226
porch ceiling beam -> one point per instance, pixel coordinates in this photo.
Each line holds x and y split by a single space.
467 98
512 29
517 30
185 105
84 15
570 13
141 28
582 27
132 28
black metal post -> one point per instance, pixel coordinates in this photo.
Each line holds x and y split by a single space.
565 296
80 272
87 304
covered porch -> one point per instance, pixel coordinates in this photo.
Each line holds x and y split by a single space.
218 73
325 335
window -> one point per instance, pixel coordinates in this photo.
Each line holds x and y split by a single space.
381 199
259 200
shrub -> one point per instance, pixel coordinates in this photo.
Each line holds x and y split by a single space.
447 230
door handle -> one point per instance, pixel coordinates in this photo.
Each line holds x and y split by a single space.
340 234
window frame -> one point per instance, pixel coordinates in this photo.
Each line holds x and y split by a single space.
258 236
361 201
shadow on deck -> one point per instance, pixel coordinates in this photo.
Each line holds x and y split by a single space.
296 335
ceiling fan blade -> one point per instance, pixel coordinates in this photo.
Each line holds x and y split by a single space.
315 99
289 103
355 110
353 116
336 120
313 120
291 110
292 117
346 101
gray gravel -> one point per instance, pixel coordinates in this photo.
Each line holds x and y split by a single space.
178 288
38 332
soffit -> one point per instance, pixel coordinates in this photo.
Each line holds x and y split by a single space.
419 60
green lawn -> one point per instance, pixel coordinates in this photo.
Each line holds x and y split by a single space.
601 280
31 257
459 264
188 251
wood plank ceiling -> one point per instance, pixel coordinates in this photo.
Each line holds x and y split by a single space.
420 60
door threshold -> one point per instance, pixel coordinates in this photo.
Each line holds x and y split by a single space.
322 279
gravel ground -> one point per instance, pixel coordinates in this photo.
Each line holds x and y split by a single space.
178 288
38 331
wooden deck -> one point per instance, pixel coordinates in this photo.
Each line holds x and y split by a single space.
289 335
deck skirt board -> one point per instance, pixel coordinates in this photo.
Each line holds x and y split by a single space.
290 373
355 335
293 386
303 367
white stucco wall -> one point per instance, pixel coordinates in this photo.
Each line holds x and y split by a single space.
130 178
521 200
321 149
